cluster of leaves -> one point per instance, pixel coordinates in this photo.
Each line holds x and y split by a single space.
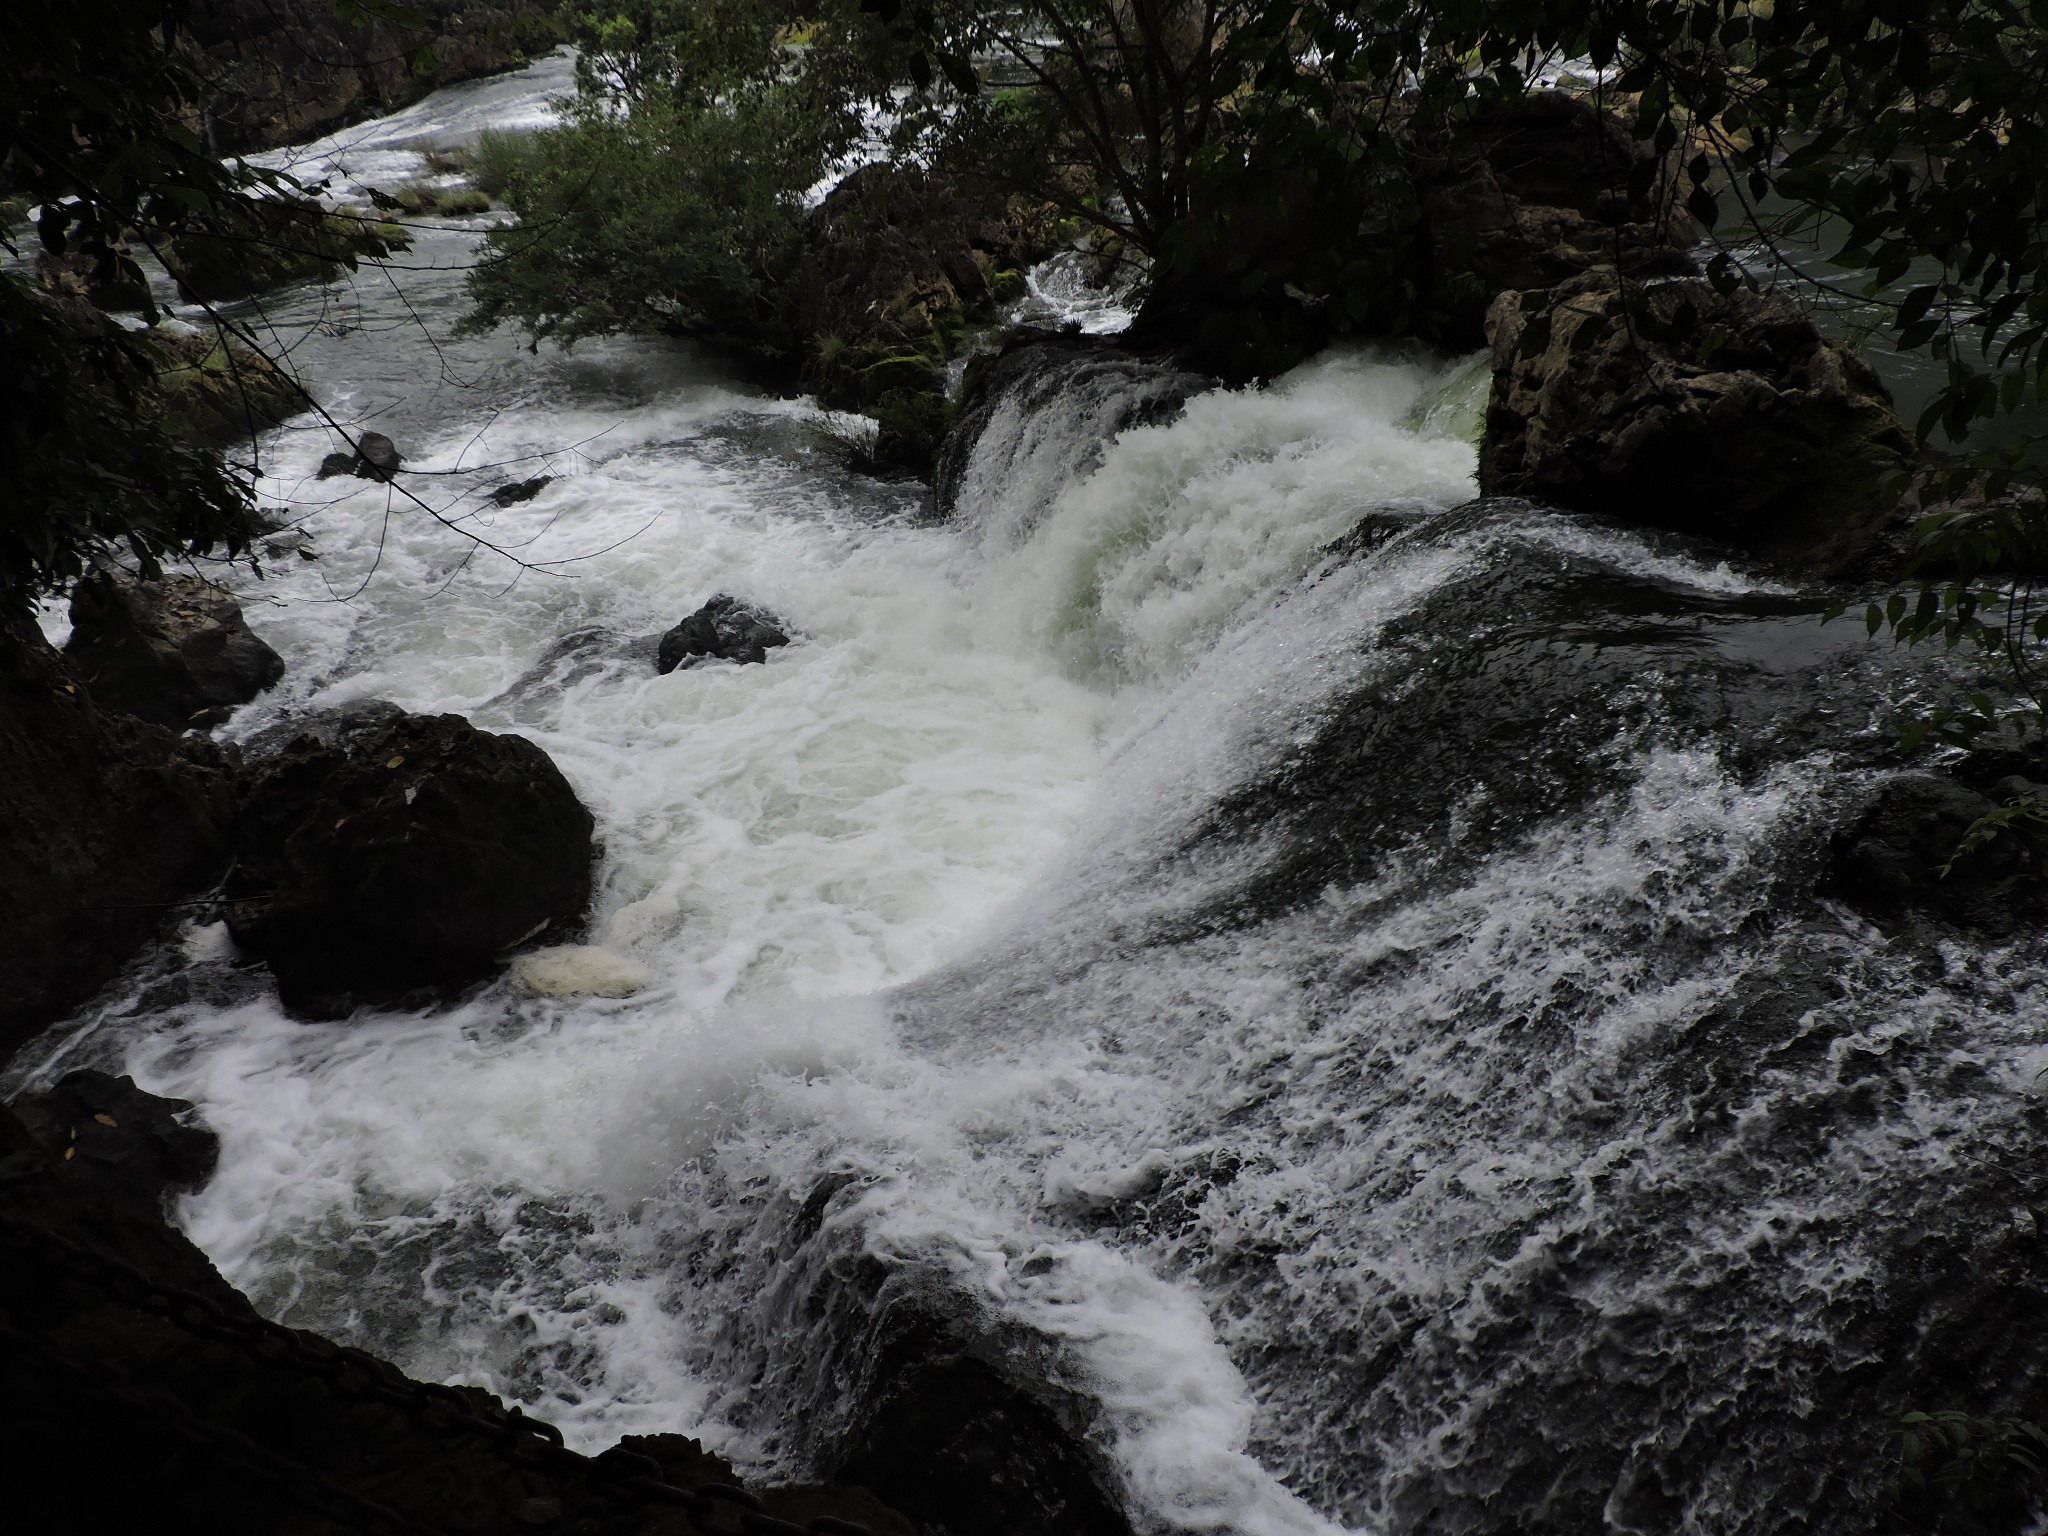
1989 1471
96 139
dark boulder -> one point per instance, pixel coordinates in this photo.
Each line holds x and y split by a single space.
214 391
1905 853
119 1142
1528 192
522 490
376 458
174 651
106 824
1723 415
283 71
724 629
899 260
137 1382
945 1437
398 861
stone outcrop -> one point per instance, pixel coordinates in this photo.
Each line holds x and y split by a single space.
139 1386
107 823
724 629
1035 379
213 392
1904 856
282 71
175 651
899 260
376 457
1722 415
254 244
1532 192
401 858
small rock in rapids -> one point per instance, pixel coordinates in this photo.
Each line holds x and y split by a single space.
725 629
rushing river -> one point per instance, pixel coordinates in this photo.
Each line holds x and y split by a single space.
1365 1025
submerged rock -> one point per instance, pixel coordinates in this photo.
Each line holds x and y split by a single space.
1905 853
523 490
106 823
395 862
1041 390
376 458
724 629
175 651
1722 415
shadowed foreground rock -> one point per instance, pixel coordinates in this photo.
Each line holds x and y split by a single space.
140 1391
1727 416
396 862
106 821
175 651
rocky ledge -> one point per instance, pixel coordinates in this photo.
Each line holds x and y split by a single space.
141 1390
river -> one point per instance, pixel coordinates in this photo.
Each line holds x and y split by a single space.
1369 1027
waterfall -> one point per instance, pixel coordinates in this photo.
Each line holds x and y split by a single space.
1330 986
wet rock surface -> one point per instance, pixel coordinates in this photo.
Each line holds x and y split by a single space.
376 457
954 1445
174 651
1910 854
521 490
1674 406
117 1142
205 1416
724 629
396 860
1532 192
1035 387
106 822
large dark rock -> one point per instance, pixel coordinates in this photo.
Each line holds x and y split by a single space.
1532 191
1722 415
1906 853
117 1142
396 861
138 1385
899 260
106 824
175 651
945 1437
724 629
376 458
213 391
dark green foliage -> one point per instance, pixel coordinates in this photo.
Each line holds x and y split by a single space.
251 245
1964 1473
677 218
89 472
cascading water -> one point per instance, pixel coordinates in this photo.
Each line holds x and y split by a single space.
1335 992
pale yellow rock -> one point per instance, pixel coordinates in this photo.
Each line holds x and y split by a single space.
579 970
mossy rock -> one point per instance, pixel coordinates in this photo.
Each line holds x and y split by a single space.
263 243
212 391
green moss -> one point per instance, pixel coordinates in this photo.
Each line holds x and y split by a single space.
263 244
